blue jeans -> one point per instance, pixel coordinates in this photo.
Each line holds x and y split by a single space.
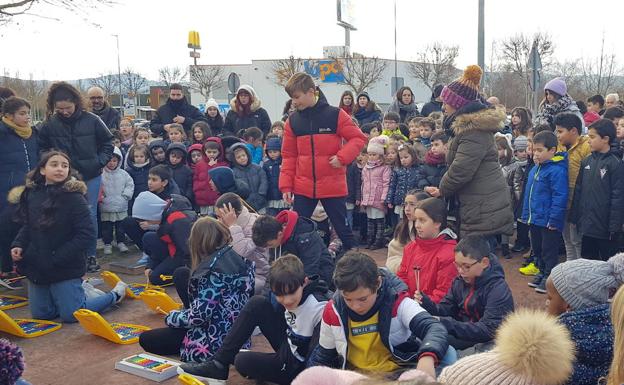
93 191
449 359
62 299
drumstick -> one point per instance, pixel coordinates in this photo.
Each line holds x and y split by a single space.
417 275
161 310
166 277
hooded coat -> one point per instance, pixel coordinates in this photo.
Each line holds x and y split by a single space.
311 138
253 175
17 157
218 290
139 175
57 252
435 261
223 178
83 137
175 227
433 105
243 244
117 188
182 173
258 117
474 175
375 185
170 110
204 194
473 313
371 113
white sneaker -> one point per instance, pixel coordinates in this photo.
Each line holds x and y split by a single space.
120 290
90 291
108 249
122 247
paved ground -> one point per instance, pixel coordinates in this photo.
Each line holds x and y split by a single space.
71 356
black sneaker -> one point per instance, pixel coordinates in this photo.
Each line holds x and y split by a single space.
519 248
541 288
206 371
537 281
92 265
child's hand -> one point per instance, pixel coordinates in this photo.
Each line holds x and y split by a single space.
427 365
144 225
288 197
212 162
433 191
227 215
147 273
334 162
418 297
16 254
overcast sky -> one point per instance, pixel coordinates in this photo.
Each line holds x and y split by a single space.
154 33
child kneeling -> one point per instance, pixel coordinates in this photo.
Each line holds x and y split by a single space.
220 284
51 247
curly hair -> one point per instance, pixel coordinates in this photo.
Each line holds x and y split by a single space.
63 92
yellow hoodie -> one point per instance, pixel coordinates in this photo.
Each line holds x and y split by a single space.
576 153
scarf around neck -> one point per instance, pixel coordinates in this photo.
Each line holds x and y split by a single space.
22 132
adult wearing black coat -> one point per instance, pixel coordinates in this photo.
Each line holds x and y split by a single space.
176 110
246 112
100 107
435 104
81 135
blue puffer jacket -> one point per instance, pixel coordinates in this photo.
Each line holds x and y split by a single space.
17 157
403 179
272 169
592 333
546 197
218 290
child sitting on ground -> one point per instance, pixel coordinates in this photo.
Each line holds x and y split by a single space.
578 293
220 284
289 319
372 325
50 248
117 190
479 298
428 261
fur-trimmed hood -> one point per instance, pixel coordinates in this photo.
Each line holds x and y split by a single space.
14 194
72 185
255 101
488 119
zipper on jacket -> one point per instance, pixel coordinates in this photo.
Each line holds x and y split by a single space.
313 162
26 155
472 290
531 190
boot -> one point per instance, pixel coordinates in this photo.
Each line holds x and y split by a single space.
379 234
370 232
505 251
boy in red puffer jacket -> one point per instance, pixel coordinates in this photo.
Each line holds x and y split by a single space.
213 156
319 142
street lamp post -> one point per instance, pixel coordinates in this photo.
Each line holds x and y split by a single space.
119 77
481 35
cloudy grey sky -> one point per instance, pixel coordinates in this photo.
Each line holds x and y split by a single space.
154 33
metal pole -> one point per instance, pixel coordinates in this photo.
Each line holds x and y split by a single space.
396 80
347 40
481 37
119 77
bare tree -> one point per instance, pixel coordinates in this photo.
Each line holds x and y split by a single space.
170 75
13 8
283 69
435 64
515 52
35 93
600 74
361 72
570 70
132 82
205 79
109 83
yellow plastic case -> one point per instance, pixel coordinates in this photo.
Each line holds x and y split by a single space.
134 290
26 328
187 379
119 333
12 301
159 301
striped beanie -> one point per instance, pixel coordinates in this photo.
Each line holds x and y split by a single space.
463 90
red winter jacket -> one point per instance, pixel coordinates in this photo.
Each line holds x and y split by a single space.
204 194
311 138
436 259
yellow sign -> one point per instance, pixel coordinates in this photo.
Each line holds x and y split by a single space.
193 40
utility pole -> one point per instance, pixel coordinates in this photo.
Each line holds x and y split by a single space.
119 77
481 36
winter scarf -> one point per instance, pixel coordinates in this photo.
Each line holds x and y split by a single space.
433 159
408 109
548 112
22 132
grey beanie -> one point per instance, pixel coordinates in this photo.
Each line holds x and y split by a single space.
584 283
148 206
520 143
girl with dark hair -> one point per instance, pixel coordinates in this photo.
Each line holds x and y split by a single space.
521 119
214 117
366 110
51 247
83 137
404 104
246 112
346 102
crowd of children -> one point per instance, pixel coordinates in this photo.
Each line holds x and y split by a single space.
442 193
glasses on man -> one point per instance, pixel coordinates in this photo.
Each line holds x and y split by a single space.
464 266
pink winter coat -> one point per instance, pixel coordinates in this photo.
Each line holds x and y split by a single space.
246 248
375 184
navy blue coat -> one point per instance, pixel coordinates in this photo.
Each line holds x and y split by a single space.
472 314
17 157
272 169
403 180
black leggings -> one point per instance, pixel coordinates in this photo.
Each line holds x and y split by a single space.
280 367
164 341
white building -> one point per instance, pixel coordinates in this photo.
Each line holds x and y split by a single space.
260 76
